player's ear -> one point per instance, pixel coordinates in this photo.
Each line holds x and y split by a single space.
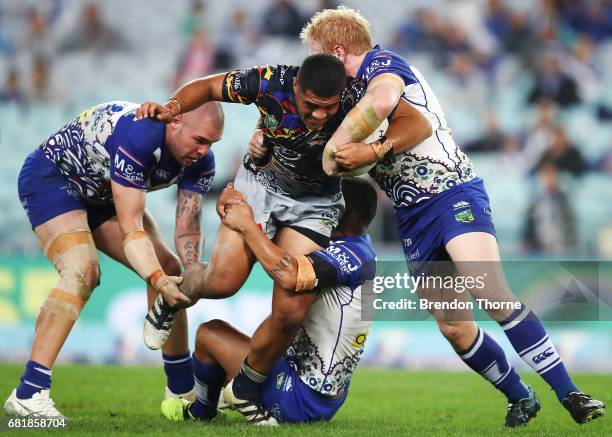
177 119
339 52
295 85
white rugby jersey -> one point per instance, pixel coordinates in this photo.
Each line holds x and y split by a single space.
330 344
434 165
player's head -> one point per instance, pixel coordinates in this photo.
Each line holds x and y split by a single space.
361 200
190 135
317 88
338 31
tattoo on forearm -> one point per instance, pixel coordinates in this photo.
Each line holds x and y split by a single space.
189 204
188 217
189 251
283 265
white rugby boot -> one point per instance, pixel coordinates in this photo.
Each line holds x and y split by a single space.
39 405
158 323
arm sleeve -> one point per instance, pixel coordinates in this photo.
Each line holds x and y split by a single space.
245 86
388 63
337 265
199 176
134 146
325 272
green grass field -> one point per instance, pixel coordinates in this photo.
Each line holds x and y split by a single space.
125 400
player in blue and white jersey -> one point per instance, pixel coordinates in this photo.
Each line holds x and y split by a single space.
311 380
84 189
442 210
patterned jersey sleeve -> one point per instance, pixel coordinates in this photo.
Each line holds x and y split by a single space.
341 264
198 176
134 152
247 85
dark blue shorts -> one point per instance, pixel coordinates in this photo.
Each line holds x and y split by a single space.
45 193
288 399
426 227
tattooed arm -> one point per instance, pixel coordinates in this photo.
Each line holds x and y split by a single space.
187 233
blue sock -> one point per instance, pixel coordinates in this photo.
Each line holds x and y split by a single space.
178 373
248 383
529 339
35 378
486 357
209 380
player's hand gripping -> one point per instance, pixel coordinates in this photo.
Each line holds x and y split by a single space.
256 149
167 286
354 155
155 110
229 196
238 216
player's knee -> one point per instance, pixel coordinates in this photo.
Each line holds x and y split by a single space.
210 330
92 276
216 284
289 313
170 264
455 333
74 256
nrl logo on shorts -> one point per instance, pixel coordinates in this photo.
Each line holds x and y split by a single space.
270 122
465 216
461 204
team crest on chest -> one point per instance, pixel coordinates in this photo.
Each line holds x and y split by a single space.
270 122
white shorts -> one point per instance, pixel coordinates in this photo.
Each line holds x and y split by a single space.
313 216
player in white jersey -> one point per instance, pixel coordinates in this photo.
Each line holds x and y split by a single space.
84 189
442 211
311 380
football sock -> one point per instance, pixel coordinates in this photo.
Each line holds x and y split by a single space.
209 380
178 373
486 357
529 339
35 378
247 383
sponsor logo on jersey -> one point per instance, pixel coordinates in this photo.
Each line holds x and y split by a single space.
342 258
240 80
359 340
203 184
162 174
377 64
465 216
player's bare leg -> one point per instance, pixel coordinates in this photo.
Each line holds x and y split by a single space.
68 244
108 239
289 309
219 352
272 337
229 267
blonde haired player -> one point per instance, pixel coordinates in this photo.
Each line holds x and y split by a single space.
441 207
